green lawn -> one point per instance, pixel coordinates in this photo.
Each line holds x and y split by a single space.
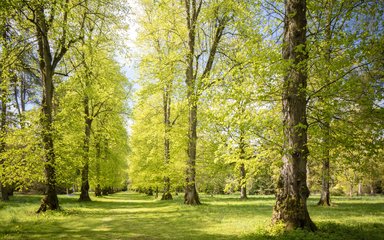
135 216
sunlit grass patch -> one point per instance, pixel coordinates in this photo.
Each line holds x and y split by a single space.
136 216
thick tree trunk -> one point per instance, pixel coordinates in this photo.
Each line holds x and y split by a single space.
4 193
193 9
191 196
84 195
167 189
292 191
167 127
47 66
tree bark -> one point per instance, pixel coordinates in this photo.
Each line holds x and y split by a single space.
191 196
193 9
84 195
325 199
372 188
292 191
98 156
3 119
167 127
360 188
3 186
243 187
51 201
243 180
4 192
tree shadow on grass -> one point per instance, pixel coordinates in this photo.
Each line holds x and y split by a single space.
134 216
329 230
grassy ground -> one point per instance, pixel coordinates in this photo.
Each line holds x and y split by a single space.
135 216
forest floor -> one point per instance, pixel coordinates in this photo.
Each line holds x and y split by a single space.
136 216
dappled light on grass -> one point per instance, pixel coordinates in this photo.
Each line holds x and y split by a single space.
136 216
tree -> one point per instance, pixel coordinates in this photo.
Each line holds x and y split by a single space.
55 35
5 75
102 91
292 191
162 64
338 35
196 81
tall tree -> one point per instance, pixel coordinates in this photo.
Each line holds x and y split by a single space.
292 191
162 65
54 34
5 74
196 81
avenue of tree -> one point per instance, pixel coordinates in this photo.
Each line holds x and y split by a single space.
261 97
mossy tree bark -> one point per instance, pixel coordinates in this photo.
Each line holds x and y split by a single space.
292 191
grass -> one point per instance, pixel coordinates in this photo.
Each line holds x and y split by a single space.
136 216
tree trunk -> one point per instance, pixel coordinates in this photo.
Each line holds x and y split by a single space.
191 196
292 191
3 186
372 188
167 127
243 180
98 156
51 199
150 192
4 193
3 128
84 195
360 188
325 199
243 187
167 187
193 9
47 66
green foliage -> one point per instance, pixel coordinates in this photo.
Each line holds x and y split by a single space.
107 90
